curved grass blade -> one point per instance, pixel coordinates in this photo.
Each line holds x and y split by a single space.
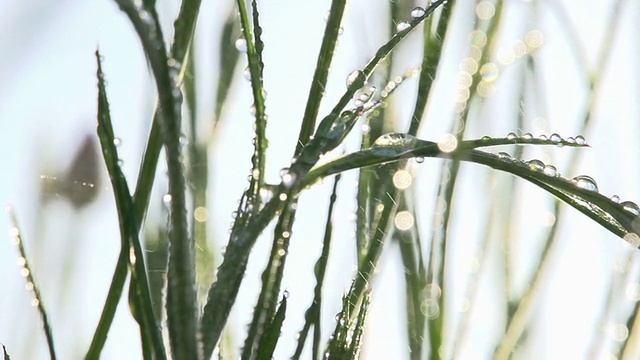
5 353
228 59
181 297
312 315
129 227
31 284
619 218
270 339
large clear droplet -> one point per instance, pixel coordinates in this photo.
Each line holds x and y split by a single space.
580 140
353 76
417 12
585 182
615 198
505 156
631 207
527 136
512 136
241 45
394 139
555 138
543 137
535 165
550 170
403 26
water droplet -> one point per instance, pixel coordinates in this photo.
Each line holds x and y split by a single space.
394 139
486 138
247 73
555 138
241 45
571 140
419 159
403 26
117 141
585 182
615 199
550 170
512 136
543 137
288 177
353 76
365 129
166 198
535 165
580 140
417 12
527 136
631 207
505 156
282 196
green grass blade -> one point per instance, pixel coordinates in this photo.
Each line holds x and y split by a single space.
316 93
270 339
127 220
31 283
346 339
5 353
181 297
254 47
433 44
312 315
185 26
271 281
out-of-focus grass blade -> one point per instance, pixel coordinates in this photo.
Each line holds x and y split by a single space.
270 339
228 60
16 233
312 315
128 229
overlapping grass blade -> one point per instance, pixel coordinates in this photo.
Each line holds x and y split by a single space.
345 342
16 233
181 295
142 308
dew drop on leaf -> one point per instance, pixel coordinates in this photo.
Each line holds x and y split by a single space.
631 207
486 138
543 137
527 136
353 76
585 182
571 140
505 156
241 45
550 170
615 199
555 138
535 165
394 139
417 12
403 26
580 140
512 136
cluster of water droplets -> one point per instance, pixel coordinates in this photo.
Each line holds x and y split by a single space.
584 182
554 138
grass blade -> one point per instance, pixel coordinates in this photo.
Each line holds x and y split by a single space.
143 310
181 295
31 284
346 340
270 339
312 315
5 353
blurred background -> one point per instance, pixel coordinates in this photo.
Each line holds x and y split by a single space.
555 63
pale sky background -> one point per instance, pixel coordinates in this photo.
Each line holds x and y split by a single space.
48 103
